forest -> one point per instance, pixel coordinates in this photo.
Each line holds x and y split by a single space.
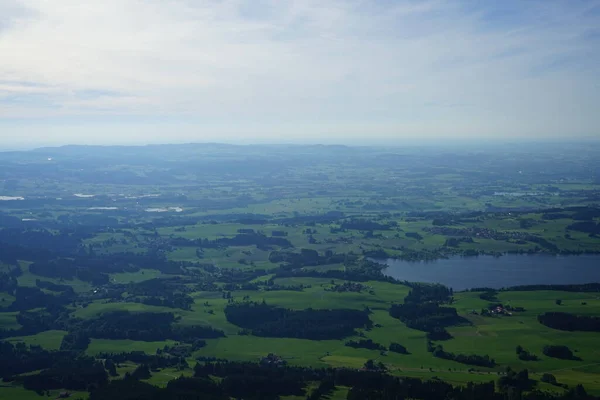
300 272
264 320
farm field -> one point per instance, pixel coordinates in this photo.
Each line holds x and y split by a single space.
186 270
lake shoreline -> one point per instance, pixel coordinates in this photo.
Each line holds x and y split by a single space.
510 270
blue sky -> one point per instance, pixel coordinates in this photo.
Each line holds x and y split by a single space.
152 71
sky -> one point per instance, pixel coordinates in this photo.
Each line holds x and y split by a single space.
297 71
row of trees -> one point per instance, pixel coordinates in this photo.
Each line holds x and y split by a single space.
365 344
470 359
27 298
306 258
242 239
141 326
61 369
83 373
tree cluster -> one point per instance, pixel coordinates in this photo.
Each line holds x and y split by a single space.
364 225
469 359
525 355
570 322
516 382
141 326
559 351
83 373
365 344
265 320
398 348
425 316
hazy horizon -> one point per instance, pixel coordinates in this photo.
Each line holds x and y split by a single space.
466 144
341 72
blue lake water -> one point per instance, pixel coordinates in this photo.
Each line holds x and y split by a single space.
462 273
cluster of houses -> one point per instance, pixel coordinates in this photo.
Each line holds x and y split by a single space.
476 232
273 359
499 310
494 310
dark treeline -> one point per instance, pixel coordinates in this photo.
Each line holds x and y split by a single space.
175 300
559 351
489 295
266 285
85 264
398 348
450 216
156 286
153 361
95 268
66 241
262 319
421 310
586 227
32 322
327 218
306 258
583 287
237 276
422 292
59 370
180 389
165 292
113 325
425 316
83 373
351 274
379 385
570 322
525 355
11 254
323 391
578 213
358 270
543 243
75 341
20 358
68 269
141 326
243 239
365 225
365 344
516 382
469 359
27 298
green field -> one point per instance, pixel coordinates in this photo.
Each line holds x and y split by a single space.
174 236
49 339
495 336
118 346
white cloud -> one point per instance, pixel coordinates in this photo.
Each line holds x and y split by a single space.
397 67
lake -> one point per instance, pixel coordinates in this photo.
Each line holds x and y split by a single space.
462 273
